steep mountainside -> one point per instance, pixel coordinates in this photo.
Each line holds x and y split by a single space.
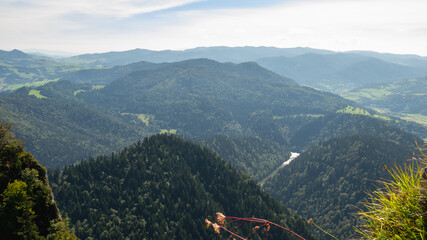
27 208
161 188
59 130
202 98
254 156
329 181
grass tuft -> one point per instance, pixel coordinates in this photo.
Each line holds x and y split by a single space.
395 211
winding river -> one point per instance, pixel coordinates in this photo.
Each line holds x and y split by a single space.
291 158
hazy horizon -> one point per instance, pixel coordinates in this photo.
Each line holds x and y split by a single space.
63 54
80 26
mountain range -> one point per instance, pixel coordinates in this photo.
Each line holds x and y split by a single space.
220 54
305 65
250 116
340 72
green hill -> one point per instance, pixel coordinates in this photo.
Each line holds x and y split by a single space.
59 130
202 98
63 122
18 69
161 188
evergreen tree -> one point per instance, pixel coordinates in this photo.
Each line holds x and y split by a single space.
162 188
27 209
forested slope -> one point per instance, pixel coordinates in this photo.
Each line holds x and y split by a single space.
329 181
161 188
255 156
344 124
202 98
27 208
60 130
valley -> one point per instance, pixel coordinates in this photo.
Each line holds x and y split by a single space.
272 174
147 144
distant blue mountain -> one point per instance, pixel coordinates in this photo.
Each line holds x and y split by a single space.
322 69
342 72
14 54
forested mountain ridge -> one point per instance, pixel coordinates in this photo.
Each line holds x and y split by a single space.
196 98
316 64
221 54
228 54
334 72
108 74
161 188
337 72
27 208
201 98
328 182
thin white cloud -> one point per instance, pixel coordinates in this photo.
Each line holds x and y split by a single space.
114 8
103 8
55 22
398 26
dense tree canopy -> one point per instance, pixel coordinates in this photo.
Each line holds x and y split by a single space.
254 156
27 209
329 181
161 188
59 130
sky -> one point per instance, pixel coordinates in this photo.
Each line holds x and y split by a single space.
89 26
